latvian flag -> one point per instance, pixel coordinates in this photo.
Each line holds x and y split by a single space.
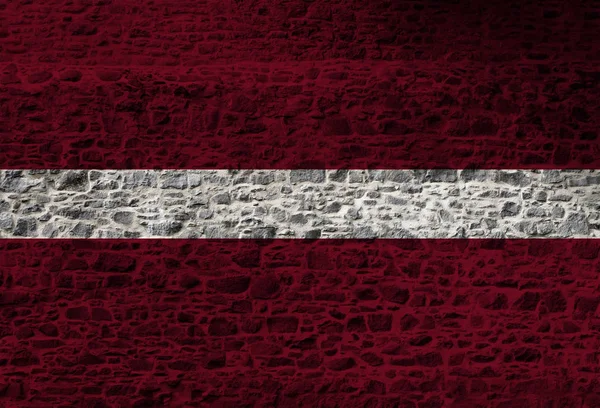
329 204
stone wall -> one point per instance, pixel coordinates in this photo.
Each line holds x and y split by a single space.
299 84
299 323
299 204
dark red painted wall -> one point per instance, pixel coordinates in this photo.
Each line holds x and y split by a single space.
284 323
299 84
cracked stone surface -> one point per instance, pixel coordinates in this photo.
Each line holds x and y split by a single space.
299 203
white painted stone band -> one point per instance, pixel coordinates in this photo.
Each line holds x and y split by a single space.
299 204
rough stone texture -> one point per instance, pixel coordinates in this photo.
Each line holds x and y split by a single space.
377 84
300 203
297 323
299 84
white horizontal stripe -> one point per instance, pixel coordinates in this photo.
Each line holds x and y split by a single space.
299 203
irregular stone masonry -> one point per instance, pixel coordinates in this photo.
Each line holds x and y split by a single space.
299 203
382 114
189 33
299 323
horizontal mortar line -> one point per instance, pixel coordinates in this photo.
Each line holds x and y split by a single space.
310 204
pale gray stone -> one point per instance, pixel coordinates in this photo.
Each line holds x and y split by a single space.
513 178
576 224
264 233
222 198
263 179
143 178
124 217
312 234
474 175
313 176
25 227
14 181
396 176
164 228
338 176
443 176
174 179
299 203
82 230
6 221
510 209
73 180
